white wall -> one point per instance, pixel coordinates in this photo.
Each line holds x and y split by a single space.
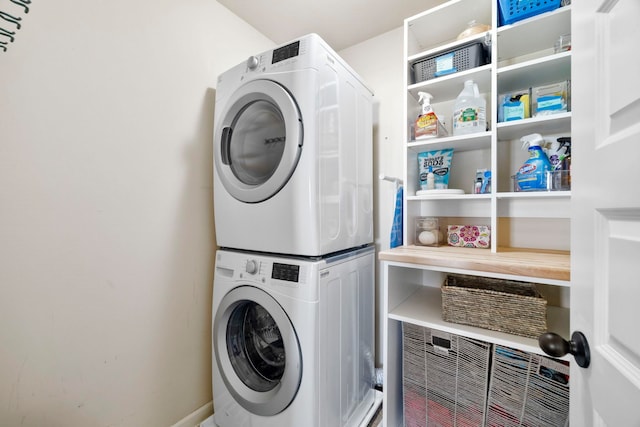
106 217
379 61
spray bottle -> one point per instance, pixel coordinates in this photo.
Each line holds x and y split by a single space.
533 174
560 157
427 124
556 154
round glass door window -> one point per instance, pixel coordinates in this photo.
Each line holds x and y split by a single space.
255 347
258 141
257 350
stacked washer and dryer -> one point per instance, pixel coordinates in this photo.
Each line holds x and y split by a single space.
293 297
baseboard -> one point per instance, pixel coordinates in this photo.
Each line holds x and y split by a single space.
196 417
204 412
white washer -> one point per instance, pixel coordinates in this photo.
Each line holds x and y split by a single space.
293 339
293 153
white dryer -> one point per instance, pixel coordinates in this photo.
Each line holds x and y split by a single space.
293 340
293 153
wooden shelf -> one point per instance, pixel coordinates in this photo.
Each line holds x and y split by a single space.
458 143
532 194
544 70
441 24
534 34
556 123
552 267
448 87
424 308
465 196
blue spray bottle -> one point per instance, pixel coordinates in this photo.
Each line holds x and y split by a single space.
533 174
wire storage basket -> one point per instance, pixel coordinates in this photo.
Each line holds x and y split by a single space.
445 378
527 390
500 305
516 10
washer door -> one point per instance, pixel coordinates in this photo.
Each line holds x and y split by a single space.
257 351
258 142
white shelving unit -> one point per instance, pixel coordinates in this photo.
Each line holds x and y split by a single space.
530 230
522 55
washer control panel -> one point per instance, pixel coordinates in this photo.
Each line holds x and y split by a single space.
288 272
266 270
251 267
261 270
279 271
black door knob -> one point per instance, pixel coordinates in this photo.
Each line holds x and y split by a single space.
556 346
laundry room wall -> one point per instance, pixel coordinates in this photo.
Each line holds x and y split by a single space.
379 61
106 216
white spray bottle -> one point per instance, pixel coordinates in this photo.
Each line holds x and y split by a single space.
427 124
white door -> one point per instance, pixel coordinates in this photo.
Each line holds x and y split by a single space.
605 242
257 141
257 351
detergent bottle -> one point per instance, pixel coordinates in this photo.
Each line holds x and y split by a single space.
431 179
533 174
469 111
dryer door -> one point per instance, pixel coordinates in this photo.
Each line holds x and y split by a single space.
258 141
257 351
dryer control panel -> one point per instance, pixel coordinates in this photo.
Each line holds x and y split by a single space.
260 62
253 62
286 52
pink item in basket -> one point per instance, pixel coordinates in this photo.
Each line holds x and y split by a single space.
470 236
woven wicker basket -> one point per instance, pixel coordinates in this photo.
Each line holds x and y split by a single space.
527 389
500 305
